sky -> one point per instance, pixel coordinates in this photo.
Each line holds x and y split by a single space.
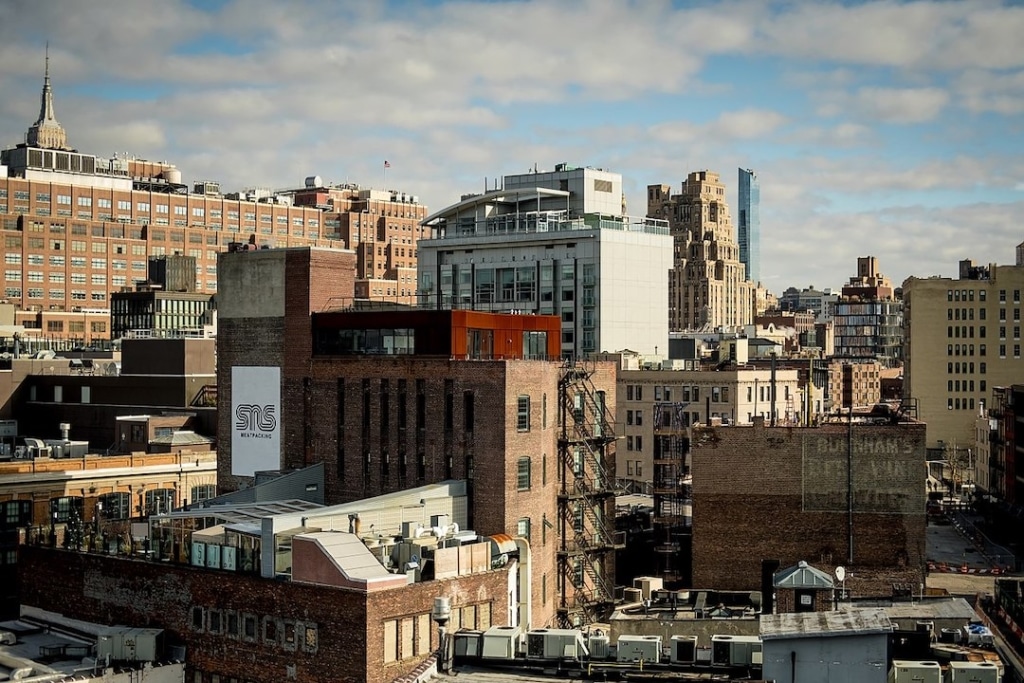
878 128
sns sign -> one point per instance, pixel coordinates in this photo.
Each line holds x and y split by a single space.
255 420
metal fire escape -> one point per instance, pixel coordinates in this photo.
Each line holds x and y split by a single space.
671 490
586 503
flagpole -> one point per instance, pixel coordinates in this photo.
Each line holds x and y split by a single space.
385 175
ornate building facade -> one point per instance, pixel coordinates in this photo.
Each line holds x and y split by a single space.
708 285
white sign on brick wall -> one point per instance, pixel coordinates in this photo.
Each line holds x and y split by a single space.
255 419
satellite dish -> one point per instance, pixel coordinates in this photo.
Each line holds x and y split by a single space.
841 573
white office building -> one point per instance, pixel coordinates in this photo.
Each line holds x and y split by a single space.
554 243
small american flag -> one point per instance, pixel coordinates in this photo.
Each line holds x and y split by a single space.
387 164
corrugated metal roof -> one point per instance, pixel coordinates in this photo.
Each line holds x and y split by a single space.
825 624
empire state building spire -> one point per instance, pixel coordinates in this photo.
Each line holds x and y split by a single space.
46 132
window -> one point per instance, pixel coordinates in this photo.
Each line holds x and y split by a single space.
639 441
115 506
203 492
269 630
523 414
249 627
523 473
15 513
639 417
523 528
215 621
66 509
159 501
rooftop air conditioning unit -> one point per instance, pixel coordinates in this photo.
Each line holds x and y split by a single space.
904 671
683 649
631 648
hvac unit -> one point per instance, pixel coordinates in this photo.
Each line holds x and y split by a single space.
499 642
925 627
683 649
973 672
130 644
904 671
598 646
554 643
950 636
638 649
632 596
467 644
978 635
647 585
734 650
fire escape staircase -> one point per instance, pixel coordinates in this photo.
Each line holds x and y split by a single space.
588 538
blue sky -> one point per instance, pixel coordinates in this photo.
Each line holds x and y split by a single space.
878 128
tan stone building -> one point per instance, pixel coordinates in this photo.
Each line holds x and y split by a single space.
962 337
708 285
732 396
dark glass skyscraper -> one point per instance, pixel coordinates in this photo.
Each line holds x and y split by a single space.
750 223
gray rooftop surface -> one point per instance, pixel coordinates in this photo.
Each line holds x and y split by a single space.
950 608
825 624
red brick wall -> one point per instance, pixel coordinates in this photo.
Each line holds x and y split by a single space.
780 493
349 624
493 446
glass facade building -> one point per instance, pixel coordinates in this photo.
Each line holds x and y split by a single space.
750 223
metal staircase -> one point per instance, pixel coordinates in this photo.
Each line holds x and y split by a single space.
586 504
671 491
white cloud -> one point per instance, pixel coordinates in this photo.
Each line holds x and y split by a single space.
885 105
917 35
264 93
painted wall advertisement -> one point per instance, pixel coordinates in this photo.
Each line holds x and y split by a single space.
255 419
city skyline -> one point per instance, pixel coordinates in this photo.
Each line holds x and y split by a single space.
875 128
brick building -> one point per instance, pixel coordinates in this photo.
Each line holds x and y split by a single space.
389 400
241 627
853 382
781 494
76 227
154 376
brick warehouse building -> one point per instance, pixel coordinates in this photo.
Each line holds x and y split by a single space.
241 627
390 400
780 493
